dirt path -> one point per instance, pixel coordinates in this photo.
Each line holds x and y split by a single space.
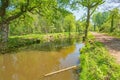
113 44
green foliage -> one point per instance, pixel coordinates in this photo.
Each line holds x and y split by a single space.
70 23
28 23
91 6
107 21
115 34
97 64
80 26
99 19
23 7
43 25
58 20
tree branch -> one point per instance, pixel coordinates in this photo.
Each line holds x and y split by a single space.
93 10
17 15
97 3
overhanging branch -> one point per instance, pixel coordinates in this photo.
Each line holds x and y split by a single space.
17 15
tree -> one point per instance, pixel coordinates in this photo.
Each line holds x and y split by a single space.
91 6
113 14
59 19
11 10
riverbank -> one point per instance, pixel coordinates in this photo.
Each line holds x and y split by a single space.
36 61
97 63
111 43
15 42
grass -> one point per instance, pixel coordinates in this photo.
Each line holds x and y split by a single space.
96 63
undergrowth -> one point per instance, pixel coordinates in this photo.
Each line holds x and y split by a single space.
115 34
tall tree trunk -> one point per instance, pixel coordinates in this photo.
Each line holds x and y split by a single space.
4 35
87 25
94 27
69 33
112 24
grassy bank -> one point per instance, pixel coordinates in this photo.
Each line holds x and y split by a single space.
97 64
115 34
15 42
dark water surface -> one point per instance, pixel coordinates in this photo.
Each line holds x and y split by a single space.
32 62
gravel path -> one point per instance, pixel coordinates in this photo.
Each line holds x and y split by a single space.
113 44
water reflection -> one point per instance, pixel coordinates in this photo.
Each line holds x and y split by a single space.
33 63
53 45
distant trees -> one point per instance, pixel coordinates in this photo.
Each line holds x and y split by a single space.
114 14
107 21
58 21
99 19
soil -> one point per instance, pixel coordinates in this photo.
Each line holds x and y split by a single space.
112 44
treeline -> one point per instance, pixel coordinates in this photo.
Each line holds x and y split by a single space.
53 22
108 21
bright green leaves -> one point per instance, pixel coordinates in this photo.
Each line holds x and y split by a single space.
70 23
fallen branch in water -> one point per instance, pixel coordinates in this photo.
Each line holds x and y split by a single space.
62 70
